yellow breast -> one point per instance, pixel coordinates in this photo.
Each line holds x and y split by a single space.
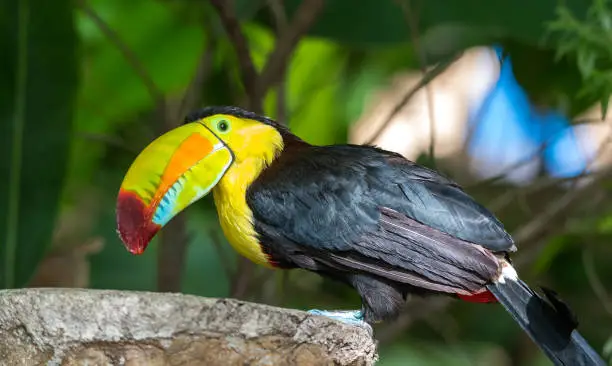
235 217
254 146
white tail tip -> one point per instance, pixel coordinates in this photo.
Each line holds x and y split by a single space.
507 273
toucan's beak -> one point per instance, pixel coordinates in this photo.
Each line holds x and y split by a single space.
171 173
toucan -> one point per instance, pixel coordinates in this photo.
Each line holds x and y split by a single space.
357 214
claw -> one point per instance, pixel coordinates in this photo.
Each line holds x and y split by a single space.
351 317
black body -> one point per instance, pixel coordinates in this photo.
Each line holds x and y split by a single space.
373 219
388 227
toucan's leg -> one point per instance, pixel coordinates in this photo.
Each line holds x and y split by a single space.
380 300
352 317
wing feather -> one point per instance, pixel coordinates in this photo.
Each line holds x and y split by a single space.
358 208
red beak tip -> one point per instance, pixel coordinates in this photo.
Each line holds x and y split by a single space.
136 251
133 223
129 246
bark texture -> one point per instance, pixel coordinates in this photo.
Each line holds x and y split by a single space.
96 327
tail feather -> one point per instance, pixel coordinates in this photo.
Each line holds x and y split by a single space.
549 322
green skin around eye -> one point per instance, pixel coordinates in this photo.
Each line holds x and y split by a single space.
223 126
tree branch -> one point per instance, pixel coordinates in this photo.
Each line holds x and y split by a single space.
78 326
425 80
538 185
278 60
226 262
535 229
256 85
413 23
242 278
171 254
531 157
280 18
596 284
193 95
227 14
558 207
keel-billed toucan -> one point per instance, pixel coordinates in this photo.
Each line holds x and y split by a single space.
358 214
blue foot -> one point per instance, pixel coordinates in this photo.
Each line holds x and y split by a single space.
351 317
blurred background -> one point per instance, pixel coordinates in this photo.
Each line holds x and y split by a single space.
509 98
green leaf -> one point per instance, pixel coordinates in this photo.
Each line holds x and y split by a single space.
380 22
586 62
586 42
37 89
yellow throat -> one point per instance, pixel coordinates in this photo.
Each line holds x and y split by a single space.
235 216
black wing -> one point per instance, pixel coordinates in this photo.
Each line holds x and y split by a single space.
364 208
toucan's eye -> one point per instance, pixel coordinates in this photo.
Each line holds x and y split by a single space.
223 125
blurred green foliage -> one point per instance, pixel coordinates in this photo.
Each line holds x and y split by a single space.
75 110
37 105
588 43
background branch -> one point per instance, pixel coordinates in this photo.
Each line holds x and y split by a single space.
412 19
280 19
278 60
227 14
226 262
594 280
534 228
425 80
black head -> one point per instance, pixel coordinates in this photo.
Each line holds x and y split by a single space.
241 113
230 110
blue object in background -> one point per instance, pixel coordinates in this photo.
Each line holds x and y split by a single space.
508 131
